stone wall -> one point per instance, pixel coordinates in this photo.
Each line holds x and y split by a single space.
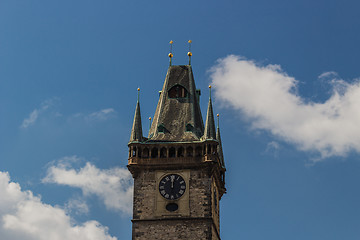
198 225
173 229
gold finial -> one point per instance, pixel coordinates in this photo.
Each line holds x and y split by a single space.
170 54
217 115
209 86
209 91
138 89
150 118
189 52
138 94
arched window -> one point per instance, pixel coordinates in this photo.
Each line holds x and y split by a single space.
154 153
177 91
134 152
172 152
146 153
198 151
189 151
180 152
139 152
163 152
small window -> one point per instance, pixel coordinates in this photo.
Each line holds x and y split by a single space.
177 91
134 152
161 128
189 127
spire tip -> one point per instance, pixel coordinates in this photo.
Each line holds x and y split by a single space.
189 52
170 55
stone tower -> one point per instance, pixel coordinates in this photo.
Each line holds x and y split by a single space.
178 170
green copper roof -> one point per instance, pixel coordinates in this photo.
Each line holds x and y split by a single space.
177 117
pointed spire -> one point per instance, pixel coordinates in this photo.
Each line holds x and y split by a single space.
136 132
180 117
209 132
219 148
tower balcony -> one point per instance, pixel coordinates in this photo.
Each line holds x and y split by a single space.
173 153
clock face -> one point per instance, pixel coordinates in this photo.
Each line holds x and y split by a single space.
172 186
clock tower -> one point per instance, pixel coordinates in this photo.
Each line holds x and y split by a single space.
178 170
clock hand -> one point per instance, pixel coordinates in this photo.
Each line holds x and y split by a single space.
172 181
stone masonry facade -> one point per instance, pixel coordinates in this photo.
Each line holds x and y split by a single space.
200 224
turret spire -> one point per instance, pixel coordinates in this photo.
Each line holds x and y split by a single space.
209 132
219 147
136 132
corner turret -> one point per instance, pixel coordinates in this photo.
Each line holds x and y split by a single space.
136 131
219 147
209 132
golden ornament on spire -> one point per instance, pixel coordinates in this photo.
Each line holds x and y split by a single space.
189 52
170 55
217 115
209 86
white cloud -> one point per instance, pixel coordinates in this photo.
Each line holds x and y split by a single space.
34 115
328 74
273 148
113 186
31 119
103 114
24 216
77 206
266 95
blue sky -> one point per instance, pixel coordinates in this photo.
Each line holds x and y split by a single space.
285 80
